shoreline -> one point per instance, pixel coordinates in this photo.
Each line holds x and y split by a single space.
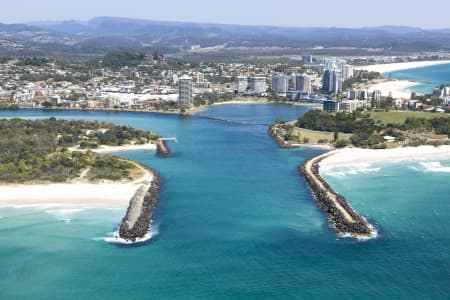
190 112
392 67
289 145
398 88
352 156
203 108
73 194
345 221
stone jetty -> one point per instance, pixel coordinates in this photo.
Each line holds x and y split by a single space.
161 148
136 223
342 217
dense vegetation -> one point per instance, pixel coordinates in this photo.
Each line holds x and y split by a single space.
33 61
343 122
5 106
211 98
360 76
118 59
366 132
36 150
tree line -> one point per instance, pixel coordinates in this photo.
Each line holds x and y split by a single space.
36 150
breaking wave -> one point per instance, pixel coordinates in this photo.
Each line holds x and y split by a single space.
64 214
113 237
343 171
434 167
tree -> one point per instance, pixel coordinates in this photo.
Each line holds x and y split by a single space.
341 143
47 104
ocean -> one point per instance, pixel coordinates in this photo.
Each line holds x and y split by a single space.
429 77
236 221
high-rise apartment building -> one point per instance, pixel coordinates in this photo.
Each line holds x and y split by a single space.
258 85
280 83
241 84
303 83
185 98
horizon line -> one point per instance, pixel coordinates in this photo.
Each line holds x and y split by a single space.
226 24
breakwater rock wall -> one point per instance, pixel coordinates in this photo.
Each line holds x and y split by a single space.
136 222
282 143
343 218
162 149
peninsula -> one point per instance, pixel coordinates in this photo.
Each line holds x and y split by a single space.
363 137
63 163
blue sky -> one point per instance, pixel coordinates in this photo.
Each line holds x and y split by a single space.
343 13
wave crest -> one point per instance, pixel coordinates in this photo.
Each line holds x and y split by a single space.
434 166
343 171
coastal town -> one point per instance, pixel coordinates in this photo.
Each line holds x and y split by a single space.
135 81
224 150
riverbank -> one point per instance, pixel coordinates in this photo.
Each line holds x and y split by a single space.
188 112
254 101
343 218
274 132
350 156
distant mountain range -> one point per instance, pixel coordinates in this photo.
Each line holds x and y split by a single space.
103 34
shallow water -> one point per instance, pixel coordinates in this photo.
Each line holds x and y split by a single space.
429 77
236 221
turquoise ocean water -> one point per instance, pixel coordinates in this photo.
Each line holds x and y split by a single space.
429 77
236 221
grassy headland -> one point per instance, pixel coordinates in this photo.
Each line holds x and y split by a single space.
365 130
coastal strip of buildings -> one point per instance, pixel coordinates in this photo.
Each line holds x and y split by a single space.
158 84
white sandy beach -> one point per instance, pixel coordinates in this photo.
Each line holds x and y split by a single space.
397 88
86 195
73 194
386 68
111 149
351 156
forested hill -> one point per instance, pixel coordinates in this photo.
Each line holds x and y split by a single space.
103 34
36 150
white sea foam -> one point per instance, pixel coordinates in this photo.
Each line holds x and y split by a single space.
373 235
113 237
343 171
434 166
64 214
